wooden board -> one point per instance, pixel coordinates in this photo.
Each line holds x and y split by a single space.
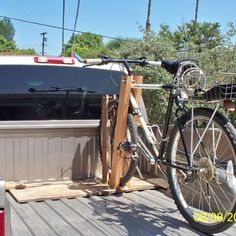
70 189
119 136
105 157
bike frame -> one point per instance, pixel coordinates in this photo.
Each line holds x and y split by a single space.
159 154
175 97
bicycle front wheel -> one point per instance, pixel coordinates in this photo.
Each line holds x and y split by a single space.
130 159
205 197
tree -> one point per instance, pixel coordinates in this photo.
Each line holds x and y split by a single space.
28 51
87 45
195 36
153 47
6 46
6 29
199 35
204 42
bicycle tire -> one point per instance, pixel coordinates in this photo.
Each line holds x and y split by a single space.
204 184
133 130
134 159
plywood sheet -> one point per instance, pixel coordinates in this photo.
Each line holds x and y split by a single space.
69 189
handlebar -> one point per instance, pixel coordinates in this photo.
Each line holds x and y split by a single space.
125 62
171 66
141 62
96 61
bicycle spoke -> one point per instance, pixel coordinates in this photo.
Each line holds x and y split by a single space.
204 190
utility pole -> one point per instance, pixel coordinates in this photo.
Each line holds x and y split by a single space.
148 24
63 27
44 39
196 11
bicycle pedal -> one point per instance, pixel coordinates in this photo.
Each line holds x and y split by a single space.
128 146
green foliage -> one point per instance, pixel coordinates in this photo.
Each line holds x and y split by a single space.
153 47
6 46
6 29
114 44
215 52
29 51
87 45
197 36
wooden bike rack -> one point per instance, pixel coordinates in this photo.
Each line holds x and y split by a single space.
117 162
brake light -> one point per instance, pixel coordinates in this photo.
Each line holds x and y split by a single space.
2 223
54 60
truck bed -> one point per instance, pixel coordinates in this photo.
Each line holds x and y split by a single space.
149 212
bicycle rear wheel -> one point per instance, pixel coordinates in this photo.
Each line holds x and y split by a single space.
207 197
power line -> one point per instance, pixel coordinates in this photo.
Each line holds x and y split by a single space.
58 27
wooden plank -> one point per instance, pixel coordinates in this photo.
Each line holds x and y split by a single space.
105 157
137 92
155 212
70 189
35 223
127 210
97 213
67 189
59 225
136 184
95 226
18 226
120 129
72 218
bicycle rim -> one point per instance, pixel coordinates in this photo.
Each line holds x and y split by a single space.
206 199
130 159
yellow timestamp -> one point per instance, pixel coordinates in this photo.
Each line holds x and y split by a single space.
214 217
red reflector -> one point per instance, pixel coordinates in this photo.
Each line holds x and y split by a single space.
54 60
229 105
2 223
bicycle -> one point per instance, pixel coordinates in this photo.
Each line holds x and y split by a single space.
200 172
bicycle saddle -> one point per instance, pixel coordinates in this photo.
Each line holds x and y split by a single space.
171 66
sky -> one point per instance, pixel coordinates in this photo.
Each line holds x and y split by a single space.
114 18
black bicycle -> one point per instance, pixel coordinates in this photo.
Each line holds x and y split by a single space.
200 152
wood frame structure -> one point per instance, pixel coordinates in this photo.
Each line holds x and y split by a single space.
117 162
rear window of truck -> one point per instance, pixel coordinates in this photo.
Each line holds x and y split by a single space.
29 92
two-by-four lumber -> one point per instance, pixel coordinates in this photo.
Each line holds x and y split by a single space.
104 141
120 130
137 92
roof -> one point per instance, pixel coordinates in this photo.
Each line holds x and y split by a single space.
149 212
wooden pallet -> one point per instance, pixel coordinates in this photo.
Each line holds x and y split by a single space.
69 189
